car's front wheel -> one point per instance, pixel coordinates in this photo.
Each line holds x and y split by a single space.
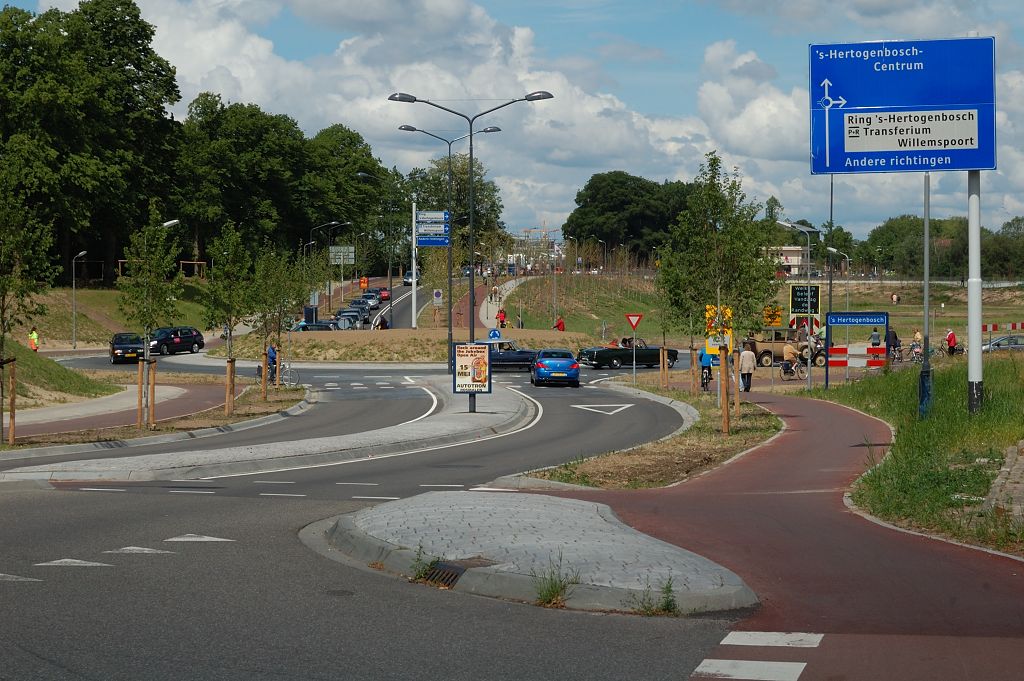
195 348
112 359
616 363
670 362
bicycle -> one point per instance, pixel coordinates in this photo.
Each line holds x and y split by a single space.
795 371
289 376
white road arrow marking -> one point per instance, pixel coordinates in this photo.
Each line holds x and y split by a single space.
72 562
196 537
16 578
137 549
606 409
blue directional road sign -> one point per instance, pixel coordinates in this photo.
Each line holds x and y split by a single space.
899 106
432 228
857 319
432 241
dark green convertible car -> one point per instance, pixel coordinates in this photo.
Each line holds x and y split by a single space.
622 352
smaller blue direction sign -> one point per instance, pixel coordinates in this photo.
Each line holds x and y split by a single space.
857 319
432 241
899 106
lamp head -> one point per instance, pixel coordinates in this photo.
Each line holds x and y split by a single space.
491 128
402 97
81 254
830 249
408 128
172 223
538 95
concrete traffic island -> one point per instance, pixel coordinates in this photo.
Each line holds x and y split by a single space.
510 539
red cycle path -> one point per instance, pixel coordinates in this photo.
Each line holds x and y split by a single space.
776 517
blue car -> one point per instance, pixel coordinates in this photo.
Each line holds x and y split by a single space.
555 365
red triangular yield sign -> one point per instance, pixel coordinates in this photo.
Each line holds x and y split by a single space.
634 319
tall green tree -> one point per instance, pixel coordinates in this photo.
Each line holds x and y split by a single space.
227 297
25 268
719 254
152 282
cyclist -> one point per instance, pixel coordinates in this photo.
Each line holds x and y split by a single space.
271 363
895 346
789 358
705 368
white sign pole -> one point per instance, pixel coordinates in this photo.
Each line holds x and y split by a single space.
415 274
634 358
974 340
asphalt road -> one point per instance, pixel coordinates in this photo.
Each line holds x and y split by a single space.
264 606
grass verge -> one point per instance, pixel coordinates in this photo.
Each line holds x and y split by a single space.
37 374
247 406
661 463
940 468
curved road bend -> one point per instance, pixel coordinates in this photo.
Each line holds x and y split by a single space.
891 605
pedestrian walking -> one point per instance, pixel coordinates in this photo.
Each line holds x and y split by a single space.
748 363
559 324
33 340
501 317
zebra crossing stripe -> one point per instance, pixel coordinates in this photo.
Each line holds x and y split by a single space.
791 639
749 670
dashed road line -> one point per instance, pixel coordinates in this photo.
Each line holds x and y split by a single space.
455 486
272 494
196 538
379 498
138 549
191 491
100 489
361 484
748 670
273 482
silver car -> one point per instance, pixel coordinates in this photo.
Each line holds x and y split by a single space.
1004 343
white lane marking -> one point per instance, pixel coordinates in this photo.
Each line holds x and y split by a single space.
528 426
100 489
379 498
330 385
364 484
16 578
749 670
272 494
72 562
332 388
273 482
137 549
191 491
491 489
327 376
360 387
442 485
196 537
605 409
355 384
787 639
388 376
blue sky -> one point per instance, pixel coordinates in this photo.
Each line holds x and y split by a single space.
647 87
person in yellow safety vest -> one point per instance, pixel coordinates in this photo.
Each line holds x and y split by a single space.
33 339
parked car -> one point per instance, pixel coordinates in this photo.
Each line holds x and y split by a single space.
1004 343
623 352
555 365
168 340
507 355
126 347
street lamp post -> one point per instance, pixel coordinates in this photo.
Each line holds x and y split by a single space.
74 303
330 234
807 231
604 255
451 303
531 97
836 251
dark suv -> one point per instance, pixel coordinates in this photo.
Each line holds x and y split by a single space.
168 340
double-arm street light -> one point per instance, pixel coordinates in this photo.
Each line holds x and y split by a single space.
74 303
411 99
409 128
807 231
332 225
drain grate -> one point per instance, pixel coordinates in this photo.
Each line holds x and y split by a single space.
444 574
